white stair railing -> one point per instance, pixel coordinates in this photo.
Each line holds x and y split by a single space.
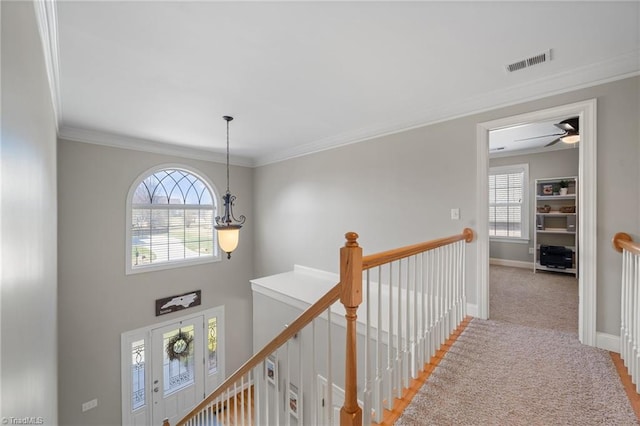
413 302
413 297
630 305
271 387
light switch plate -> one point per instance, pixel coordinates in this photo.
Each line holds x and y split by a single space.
89 405
455 214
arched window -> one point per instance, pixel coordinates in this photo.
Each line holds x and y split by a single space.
170 220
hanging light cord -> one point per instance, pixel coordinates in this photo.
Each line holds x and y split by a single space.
228 217
228 151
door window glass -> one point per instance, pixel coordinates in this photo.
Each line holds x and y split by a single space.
137 374
213 345
178 359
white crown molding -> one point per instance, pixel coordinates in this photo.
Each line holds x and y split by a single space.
145 145
47 18
617 68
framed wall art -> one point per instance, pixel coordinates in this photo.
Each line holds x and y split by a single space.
271 370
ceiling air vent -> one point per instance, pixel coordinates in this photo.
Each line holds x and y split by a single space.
529 62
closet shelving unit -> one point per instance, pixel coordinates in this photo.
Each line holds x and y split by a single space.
556 227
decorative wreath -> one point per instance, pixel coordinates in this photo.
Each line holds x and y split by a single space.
179 346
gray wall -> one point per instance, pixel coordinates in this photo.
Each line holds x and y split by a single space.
98 302
392 191
28 227
541 165
398 189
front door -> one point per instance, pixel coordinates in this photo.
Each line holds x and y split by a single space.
178 363
167 368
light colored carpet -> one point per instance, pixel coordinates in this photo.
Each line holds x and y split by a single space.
543 300
501 372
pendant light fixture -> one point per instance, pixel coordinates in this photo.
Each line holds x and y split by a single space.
228 226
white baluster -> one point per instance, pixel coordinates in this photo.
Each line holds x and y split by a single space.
459 281
252 382
276 392
235 404
398 363
415 356
227 405
463 266
300 379
445 275
390 340
628 309
366 413
314 376
453 248
328 408
242 400
377 406
452 284
430 304
438 286
287 387
456 263
267 416
636 320
406 356
456 281
623 308
447 292
423 312
632 311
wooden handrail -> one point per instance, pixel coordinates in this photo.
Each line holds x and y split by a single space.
296 326
623 240
349 292
381 258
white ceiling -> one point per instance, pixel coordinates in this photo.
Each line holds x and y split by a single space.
305 76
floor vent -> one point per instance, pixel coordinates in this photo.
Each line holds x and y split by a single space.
529 62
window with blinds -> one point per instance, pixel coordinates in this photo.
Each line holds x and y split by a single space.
508 201
170 219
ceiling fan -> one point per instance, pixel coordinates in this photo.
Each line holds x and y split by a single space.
571 128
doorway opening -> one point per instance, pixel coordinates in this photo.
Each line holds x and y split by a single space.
533 243
586 204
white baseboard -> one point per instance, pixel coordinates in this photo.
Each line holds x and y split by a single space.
472 310
512 263
608 342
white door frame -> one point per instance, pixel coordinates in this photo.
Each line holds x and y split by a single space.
587 232
144 414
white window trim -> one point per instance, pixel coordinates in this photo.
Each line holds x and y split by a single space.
216 257
516 168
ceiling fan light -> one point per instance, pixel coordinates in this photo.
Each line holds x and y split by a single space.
570 139
569 125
